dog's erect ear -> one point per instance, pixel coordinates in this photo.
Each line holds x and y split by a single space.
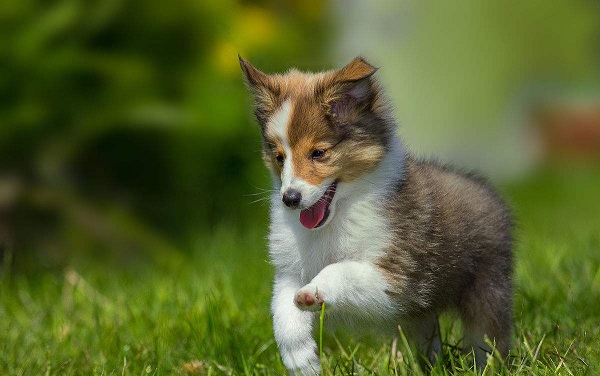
352 88
254 78
356 70
263 87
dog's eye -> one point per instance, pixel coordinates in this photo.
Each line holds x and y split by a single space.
279 158
317 154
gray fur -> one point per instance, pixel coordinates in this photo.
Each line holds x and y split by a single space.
452 250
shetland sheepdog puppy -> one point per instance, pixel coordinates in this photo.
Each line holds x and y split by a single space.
381 238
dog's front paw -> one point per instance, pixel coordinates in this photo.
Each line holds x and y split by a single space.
302 362
309 298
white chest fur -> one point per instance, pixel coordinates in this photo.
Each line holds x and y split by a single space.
359 230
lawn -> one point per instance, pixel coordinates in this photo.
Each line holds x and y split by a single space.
207 311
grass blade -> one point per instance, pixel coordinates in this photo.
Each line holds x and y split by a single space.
321 319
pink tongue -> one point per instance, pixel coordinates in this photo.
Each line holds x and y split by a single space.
312 216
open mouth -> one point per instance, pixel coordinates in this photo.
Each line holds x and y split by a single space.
317 214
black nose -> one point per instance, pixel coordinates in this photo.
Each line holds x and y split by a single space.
292 198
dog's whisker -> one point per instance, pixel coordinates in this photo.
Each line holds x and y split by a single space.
264 189
259 193
264 199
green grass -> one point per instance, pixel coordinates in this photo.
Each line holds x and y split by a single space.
209 313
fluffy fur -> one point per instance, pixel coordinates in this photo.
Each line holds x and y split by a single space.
400 240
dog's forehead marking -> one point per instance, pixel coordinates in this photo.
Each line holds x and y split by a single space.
279 123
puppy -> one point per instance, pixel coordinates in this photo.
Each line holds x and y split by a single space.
380 237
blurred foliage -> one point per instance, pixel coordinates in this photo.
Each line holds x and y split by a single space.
125 124
464 75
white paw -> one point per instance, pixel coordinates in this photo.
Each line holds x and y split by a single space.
302 362
309 298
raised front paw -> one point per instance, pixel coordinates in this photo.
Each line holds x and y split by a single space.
309 298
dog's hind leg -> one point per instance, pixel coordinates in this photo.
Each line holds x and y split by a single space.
486 312
426 335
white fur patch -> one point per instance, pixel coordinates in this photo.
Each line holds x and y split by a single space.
279 124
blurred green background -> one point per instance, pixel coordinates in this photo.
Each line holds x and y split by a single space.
125 127
132 193
126 132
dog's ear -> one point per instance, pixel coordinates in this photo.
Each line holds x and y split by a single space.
255 79
263 87
351 89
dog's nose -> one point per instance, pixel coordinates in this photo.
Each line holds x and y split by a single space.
292 198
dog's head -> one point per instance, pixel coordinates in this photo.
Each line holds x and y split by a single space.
319 131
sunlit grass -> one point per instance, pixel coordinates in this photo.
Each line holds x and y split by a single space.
208 313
